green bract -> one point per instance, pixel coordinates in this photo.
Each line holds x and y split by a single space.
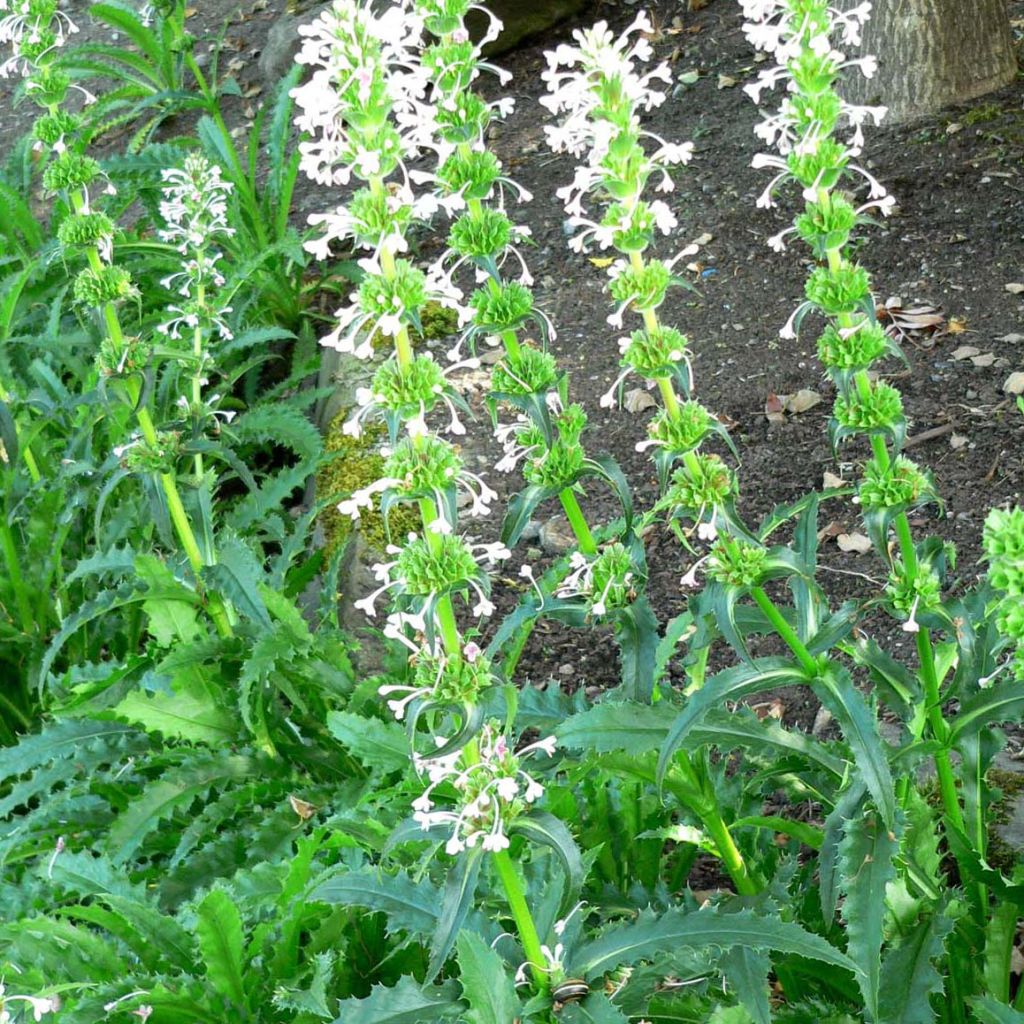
474 173
50 86
85 229
162 457
827 227
559 464
453 680
528 371
880 408
51 128
611 576
737 563
442 17
898 484
840 290
917 593
1004 548
122 358
683 431
452 66
436 566
374 216
465 119
644 287
819 113
423 466
412 390
852 350
821 168
70 170
404 291
482 234
633 227
703 482
107 284
654 353
503 309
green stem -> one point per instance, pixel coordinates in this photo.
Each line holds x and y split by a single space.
729 853
578 522
785 630
26 452
523 918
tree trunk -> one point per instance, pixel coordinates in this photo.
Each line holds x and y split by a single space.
932 54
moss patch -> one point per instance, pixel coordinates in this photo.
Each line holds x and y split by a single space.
356 462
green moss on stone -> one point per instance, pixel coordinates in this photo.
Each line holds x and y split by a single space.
356 462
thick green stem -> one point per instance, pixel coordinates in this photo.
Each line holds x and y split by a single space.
523 918
578 522
729 853
785 630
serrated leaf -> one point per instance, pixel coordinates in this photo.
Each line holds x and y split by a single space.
56 741
704 930
988 1011
191 711
1002 702
486 985
545 829
382 745
908 975
636 632
219 930
174 791
405 1003
637 728
237 575
597 1008
82 874
857 719
459 890
865 869
410 906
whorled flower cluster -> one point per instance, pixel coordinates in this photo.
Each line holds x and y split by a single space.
1004 549
491 791
800 34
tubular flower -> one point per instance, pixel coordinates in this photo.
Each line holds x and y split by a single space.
491 792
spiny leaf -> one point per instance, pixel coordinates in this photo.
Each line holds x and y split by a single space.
908 976
597 1008
988 1011
459 890
410 906
172 792
381 745
219 930
279 425
405 1003
55 742
546 830
705 930
237 576
191 711
486 984
865 868
636 632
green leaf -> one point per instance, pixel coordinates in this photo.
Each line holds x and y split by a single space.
845 808
237 576
908 976
1003 702
636 632
806 834
406 1003
191 711
597 1008
702 930
732 684
486 985
219 930
314 999
173 616
459 890
382 745
173 791
857 719
865 869
410 906
988 1011
676 629
637 728
746 973
547 830
56 741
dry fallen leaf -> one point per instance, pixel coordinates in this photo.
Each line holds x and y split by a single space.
831 480
302 808
1015 288
964 352
957 441
601 261
773 708
853 542
773 409
803 400
637 399
1014 384
985 359
953 127
703 239
1012 339
726 81
956 325
832 530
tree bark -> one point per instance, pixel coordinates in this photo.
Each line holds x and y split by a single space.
932 54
